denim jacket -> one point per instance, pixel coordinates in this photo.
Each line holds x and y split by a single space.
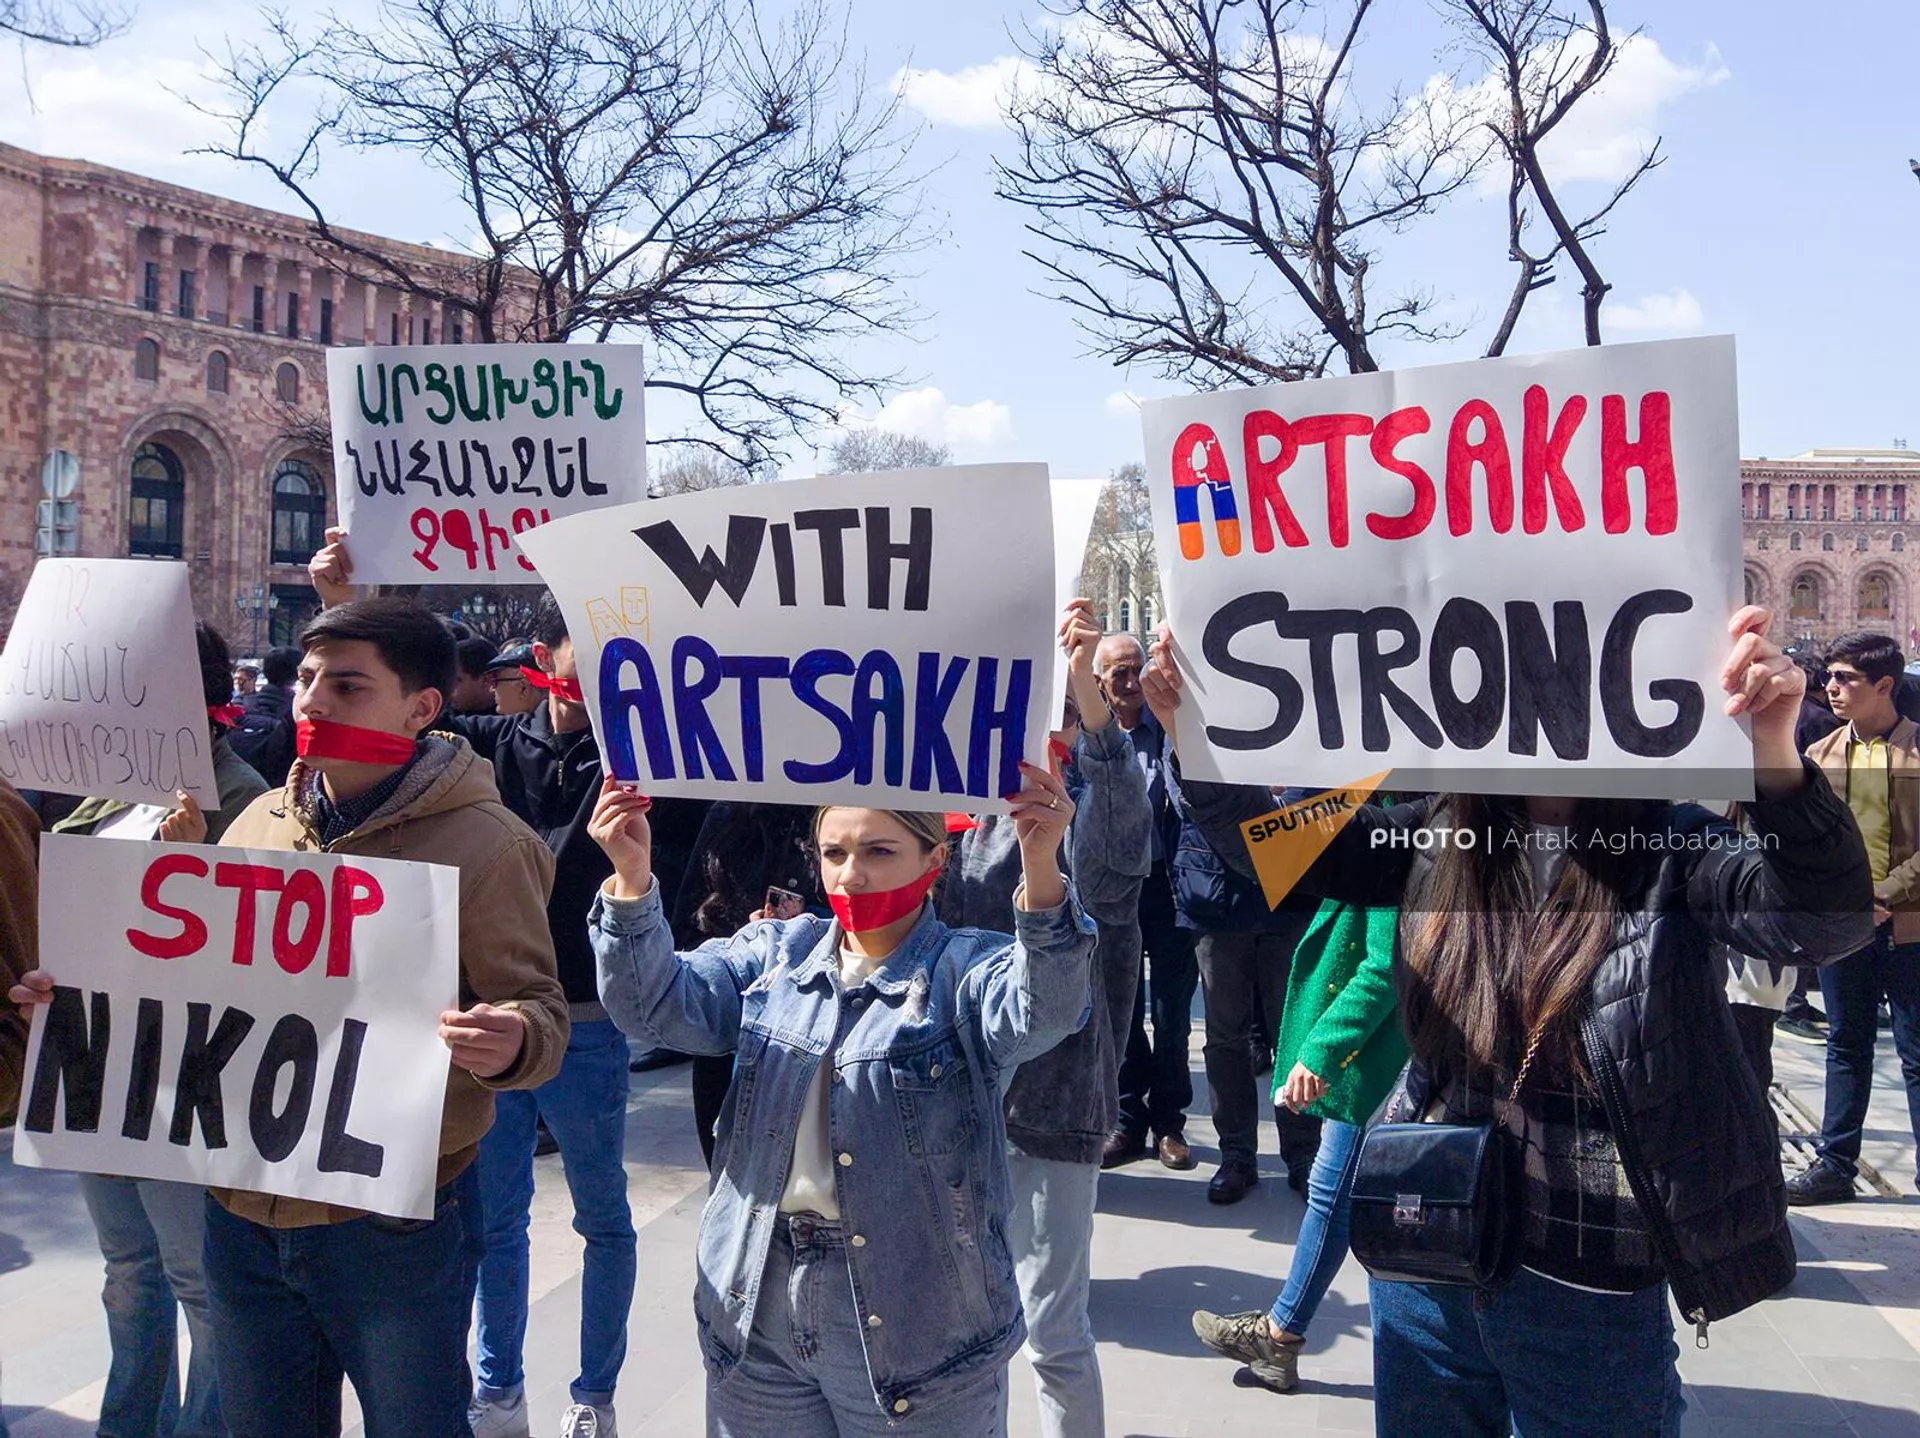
914 1113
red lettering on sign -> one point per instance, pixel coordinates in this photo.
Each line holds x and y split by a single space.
249 879
1400 425
1651 454
1489 452
356 893
193 929
1266 505
1333 431
294 952
1543 462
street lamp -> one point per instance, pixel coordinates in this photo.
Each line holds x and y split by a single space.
252 604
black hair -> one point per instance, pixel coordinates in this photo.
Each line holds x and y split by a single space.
216 665
549 624
1874 655
411 640
281 665
475 655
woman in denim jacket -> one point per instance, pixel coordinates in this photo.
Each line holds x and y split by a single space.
854 1275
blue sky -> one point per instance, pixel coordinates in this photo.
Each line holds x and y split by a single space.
1785 213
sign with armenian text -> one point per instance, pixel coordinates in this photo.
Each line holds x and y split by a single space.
878 639
443 455
1506 576
243 1018
100 689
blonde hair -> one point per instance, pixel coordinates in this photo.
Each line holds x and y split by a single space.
929 827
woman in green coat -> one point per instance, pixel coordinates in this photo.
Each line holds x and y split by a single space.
1340 1049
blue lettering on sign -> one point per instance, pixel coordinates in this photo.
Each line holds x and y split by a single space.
888 730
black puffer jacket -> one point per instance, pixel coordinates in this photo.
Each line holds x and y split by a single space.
1693 1127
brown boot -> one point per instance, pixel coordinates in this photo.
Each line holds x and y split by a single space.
1174 1152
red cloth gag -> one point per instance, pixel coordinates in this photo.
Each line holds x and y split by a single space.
862 913
567 689
324 739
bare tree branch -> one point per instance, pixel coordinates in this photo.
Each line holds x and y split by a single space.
862 451
76 26
680 170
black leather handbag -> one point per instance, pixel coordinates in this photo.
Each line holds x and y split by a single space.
1440 1202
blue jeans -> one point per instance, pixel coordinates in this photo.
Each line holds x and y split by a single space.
1851 990
387 1301
1322 1245
1536 1359
804 1374
151 1234
585 1106
1050 1232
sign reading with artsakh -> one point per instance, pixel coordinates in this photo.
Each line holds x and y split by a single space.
443 455
244 1018
1507 576
100 689
875 639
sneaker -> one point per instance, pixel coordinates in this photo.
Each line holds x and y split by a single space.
1807 1031
584 1420
1247 1337
1821 1183
498 1417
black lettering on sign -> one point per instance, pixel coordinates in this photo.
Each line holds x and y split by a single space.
1617 687
143 1083
340 1151
73 1055
1463 624
1228 621
832 526
202 1060
698 576
882 552
293 1041
1552 687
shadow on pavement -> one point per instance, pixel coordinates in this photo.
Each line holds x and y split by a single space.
1723 1410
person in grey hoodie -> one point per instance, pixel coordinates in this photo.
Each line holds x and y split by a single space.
1061 1106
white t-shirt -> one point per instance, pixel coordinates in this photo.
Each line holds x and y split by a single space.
810 1176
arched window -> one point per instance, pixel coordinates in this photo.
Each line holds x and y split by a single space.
1899 543
286 384
216 373
157 505
1804 601
299 512
1763 541
1861 544
1126 616
1146 614
1793 541
1753 588
146 360
1876 597
1826 543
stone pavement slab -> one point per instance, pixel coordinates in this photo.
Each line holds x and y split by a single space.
1838 1354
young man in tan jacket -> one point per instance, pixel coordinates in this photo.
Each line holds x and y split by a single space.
301 1291
1873 762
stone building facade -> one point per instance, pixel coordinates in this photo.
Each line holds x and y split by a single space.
174 344
1832 543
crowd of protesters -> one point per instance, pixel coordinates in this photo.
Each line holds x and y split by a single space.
918 1039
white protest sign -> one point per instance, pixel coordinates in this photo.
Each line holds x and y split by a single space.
100 689
243 1018
1508 576
444 454
882 639
1075 502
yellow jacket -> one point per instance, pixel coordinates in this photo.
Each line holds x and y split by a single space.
1899 892
447 812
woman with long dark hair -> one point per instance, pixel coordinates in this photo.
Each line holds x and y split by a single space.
1559 976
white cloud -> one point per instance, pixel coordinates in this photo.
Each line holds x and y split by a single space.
975 98
928 414
1678 313
1123 403
1611 128
123 111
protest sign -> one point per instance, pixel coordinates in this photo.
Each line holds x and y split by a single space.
100 688
444 454
244 1018
1509 576
881 639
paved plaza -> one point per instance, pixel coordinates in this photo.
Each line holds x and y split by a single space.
1838 1354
